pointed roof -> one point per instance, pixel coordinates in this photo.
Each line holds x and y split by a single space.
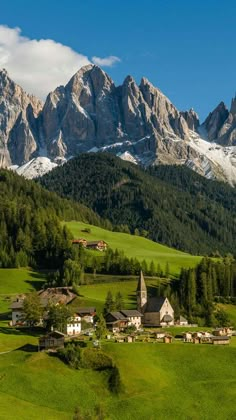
141 283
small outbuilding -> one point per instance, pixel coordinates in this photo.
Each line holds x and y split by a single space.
167 339
53 340
220 340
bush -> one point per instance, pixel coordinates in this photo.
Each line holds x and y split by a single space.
96 359
71 355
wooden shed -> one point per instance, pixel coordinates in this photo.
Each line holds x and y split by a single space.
53 340
220 340
167 339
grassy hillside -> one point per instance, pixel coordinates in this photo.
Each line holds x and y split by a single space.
177 381
170 380
136 246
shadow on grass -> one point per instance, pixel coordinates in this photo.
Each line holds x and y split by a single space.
35 284
28 348
33 332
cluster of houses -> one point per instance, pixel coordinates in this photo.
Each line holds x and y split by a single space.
95 245
54 296
219 336
152 312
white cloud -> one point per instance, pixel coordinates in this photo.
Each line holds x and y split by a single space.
39 66
106 61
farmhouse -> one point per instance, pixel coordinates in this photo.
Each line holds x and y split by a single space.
80 241
116 321
97 245
157 311
54 296
53 340
73 326
87 314
17 310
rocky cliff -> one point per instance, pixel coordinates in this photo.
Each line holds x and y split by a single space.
90 113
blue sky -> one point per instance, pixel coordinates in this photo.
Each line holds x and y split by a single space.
186 48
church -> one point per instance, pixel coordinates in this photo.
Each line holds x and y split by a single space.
157 311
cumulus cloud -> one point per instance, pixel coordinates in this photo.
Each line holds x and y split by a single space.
39 66
106 61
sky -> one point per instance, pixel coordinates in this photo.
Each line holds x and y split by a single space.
185 48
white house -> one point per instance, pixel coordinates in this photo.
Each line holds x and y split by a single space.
134 317
73 326
17 311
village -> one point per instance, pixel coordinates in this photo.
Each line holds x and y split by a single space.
152 321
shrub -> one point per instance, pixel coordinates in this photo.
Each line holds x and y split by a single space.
71 355
96 359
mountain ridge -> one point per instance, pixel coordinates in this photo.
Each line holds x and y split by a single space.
91 113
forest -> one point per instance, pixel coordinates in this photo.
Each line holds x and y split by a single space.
31 233
170 205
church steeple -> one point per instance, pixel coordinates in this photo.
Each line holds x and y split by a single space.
141 293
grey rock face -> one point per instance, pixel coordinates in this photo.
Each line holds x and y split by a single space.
17 119
215 121
192 119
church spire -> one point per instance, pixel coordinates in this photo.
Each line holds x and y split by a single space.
141 283
141 293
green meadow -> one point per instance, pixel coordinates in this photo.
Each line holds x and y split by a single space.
164 381
176 381
136 247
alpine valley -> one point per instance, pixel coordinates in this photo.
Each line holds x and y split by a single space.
91 114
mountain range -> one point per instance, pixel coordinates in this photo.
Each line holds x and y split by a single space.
136 122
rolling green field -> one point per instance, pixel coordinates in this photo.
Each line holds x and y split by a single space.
177 381
136 247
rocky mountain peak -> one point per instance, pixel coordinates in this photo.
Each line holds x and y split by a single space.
233 106
216 120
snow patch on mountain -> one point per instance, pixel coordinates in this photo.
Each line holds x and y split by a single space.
35 167
223 159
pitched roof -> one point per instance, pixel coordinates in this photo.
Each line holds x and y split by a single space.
220 338
141 283
17 304
86 310
154 304
118 315
182 319
131 312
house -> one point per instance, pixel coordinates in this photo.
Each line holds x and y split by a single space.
182 321
223 331
116 321
134 317
197 340
157 311
53 340
80 241
73 326
49 296
17 311
97 245
220 340
87 314
187 337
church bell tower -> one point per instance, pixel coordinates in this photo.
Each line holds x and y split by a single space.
141 293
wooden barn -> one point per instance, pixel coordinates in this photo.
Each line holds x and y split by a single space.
53 340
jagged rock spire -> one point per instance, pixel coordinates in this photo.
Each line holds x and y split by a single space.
141 283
